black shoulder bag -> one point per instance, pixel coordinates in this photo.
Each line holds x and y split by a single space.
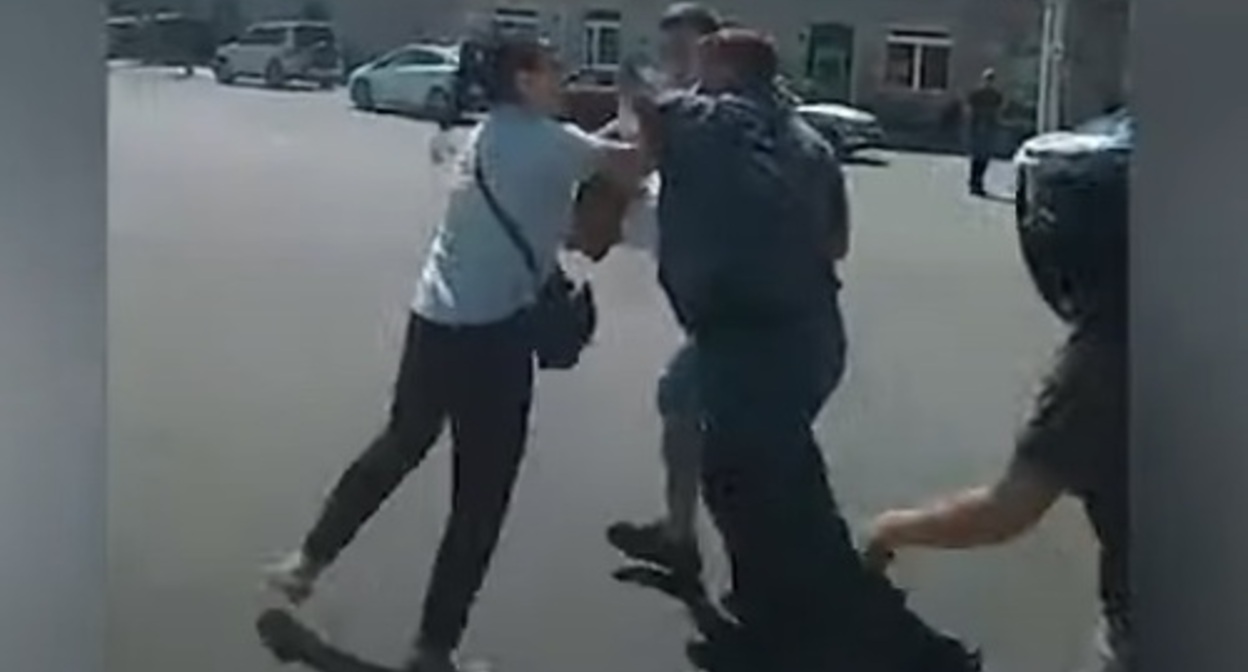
565 315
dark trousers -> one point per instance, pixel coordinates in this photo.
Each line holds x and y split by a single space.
480 378
802 590
979 169
980 148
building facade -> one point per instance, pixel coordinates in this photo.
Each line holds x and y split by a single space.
910 61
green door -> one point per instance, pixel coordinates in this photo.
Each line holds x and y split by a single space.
830 61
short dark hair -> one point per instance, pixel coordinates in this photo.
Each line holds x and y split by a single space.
699 18
508 55
748 53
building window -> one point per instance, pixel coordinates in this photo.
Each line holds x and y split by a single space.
602 40
508 20
918 60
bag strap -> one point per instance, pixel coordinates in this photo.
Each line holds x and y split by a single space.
506 221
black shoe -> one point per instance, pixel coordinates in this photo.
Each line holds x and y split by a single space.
649 544
952 658
731 604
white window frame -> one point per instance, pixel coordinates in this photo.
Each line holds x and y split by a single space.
516 18
592 46
921 40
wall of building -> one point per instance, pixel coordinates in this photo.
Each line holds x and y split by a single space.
374 26
1095 61
1001 34
985 33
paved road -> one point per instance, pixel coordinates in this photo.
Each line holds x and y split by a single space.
262 254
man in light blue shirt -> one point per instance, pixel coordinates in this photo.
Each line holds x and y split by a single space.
468 357
671 541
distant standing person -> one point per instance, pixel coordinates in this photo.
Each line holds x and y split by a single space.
984 107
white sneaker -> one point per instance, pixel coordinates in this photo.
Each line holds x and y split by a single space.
429 660
294 577
425 660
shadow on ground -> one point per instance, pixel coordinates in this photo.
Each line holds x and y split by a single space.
719 647
1004 199
293 86
868 161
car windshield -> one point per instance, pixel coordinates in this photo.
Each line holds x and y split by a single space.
425 54
390 57
313 36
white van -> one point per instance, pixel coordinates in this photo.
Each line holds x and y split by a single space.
279 52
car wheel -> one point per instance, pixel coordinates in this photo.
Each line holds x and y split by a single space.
439 105
274 75
362 95
223 72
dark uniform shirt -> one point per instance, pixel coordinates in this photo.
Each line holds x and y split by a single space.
748 194
985 106
985 112
1078 437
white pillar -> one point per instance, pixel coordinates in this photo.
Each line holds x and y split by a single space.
1061 22
1052 69
1046 64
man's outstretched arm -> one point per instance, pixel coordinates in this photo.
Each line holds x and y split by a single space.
1071 437
982 516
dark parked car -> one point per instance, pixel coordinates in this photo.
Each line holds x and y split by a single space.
1071 199
847 128
591 99
1111 133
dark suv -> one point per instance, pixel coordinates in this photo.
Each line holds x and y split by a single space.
1071 201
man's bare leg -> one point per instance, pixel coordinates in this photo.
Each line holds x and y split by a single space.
671 542
682 461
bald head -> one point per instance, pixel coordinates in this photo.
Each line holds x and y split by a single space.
738 57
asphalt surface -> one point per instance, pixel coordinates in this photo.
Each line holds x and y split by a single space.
262 254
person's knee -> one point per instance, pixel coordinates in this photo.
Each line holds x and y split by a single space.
676 394
404 441
381 464
676 402
682 434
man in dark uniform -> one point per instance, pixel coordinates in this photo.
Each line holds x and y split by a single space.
984 106
1076 440
750 212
